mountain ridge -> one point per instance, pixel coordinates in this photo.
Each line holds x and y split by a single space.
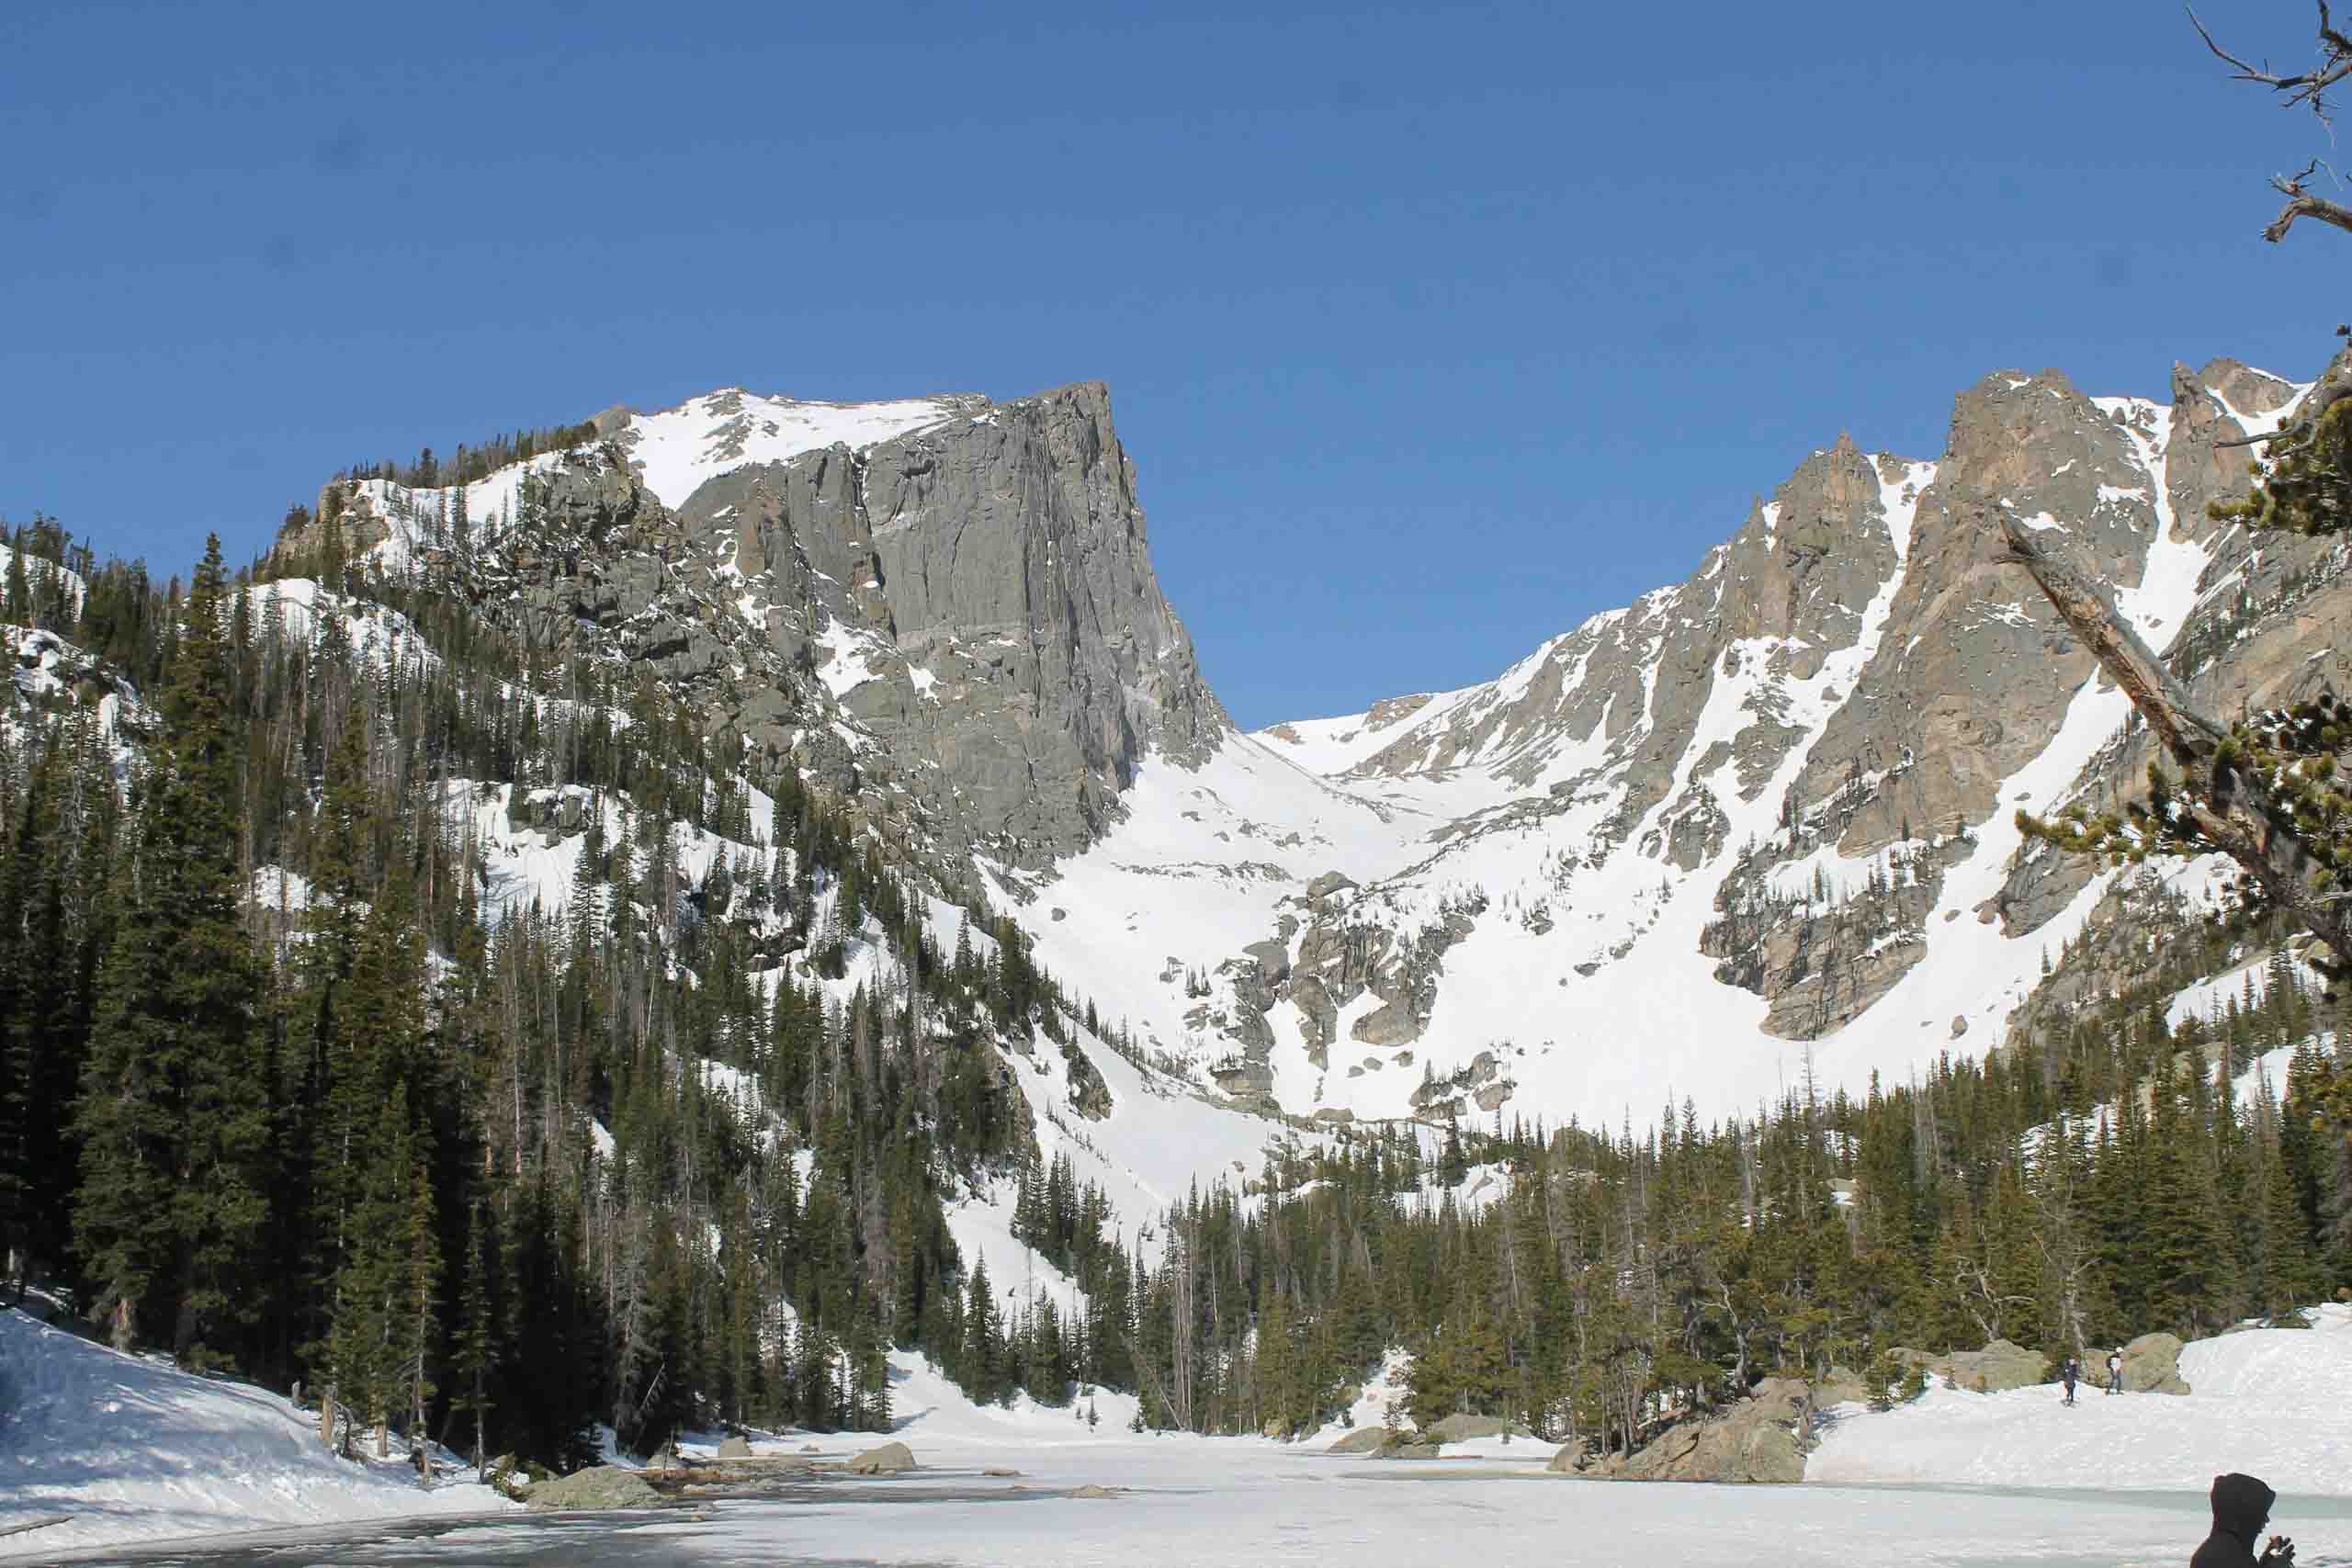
1712 838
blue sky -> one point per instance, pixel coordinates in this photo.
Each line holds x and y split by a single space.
1432 330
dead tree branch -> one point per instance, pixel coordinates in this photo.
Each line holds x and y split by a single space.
2303 87
2302 203
2235 808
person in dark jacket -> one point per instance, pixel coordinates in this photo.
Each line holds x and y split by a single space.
2241 1508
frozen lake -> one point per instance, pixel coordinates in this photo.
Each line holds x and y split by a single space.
1971 1481
1191 1504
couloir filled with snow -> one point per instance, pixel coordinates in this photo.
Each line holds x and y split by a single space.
1582 975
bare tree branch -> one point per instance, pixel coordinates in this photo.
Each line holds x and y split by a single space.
2295 429
2302 203
2303 87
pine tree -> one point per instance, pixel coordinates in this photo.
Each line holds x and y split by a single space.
2189 1264
474 1347
173 1115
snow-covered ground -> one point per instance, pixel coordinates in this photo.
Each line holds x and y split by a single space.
130 1449
2275 1403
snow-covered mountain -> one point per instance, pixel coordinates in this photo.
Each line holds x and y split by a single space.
1755 825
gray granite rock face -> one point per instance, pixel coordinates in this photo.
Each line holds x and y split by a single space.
956 631
1951 674
985 592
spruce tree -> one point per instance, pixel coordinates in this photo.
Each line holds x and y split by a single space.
173 1115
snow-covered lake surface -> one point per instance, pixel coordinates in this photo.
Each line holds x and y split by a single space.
134 1453
1211 1505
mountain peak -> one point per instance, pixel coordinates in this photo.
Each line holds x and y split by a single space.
677 449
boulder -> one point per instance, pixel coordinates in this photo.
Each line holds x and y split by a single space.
1570 1459
601 1486
1757 1439
1409 1449
1997 1369
1843 1386
888 1460
2152 1365
1091 1490
1460 1428
1363 1440
734 1446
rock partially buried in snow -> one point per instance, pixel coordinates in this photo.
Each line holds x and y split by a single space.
602 1486
734 1447
1570 1459
1460 1428
2152 1365
1091 1490
1363 1440
1997 1369
890 1459
1408 1450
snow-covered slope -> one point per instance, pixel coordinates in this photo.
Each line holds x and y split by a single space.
2272 1401
129 1449
1525 897
673 450
678 448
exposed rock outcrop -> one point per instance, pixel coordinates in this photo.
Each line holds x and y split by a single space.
957 627
2152 1365
889 1459
1761 1439
1997 1369
1462 1426
601 1486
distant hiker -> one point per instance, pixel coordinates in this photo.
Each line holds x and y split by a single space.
2115 1371
2068 1374
2241 1508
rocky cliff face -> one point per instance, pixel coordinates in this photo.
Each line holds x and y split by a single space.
1755 825
952 623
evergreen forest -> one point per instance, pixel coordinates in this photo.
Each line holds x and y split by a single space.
292 1089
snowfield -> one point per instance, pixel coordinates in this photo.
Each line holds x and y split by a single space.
130 1449
2273 1402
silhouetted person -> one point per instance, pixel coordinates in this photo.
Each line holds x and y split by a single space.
2115 1371
2241 1508
2068 1374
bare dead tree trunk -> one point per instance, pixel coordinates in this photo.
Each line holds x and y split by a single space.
2235 810
1181 1308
